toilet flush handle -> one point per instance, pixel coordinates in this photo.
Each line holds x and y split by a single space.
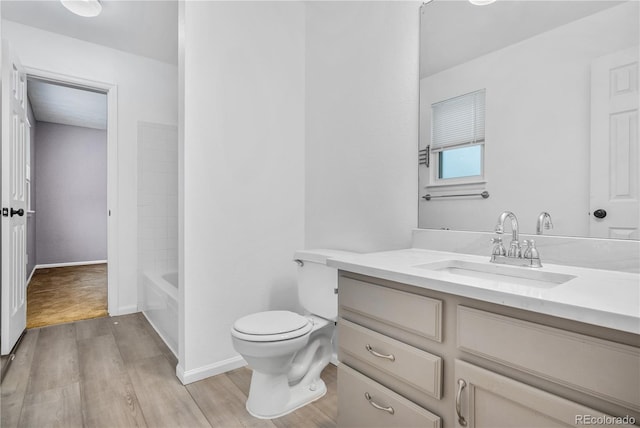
300 262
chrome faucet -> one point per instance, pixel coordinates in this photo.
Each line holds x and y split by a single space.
515 256
514 247
544 220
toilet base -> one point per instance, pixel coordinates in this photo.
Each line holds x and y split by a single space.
283 399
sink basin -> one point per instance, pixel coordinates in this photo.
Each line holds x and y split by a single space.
501 273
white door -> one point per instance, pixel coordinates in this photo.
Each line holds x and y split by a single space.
614 204
14 135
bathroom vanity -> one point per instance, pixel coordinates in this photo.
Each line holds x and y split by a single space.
436 339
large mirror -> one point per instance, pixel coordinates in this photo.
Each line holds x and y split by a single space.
534 105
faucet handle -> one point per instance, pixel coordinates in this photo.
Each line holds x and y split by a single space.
531 252
527 251
498 247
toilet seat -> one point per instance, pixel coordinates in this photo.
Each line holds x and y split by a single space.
271 326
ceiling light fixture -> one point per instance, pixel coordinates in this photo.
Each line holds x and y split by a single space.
481 2
85 8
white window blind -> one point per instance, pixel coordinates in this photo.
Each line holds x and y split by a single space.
458 121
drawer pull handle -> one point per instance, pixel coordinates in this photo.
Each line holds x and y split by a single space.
461 385
379 355
377 406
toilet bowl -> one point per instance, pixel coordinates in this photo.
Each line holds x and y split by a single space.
286 364
287 351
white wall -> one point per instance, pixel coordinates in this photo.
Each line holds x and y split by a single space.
362 124
147 91
242 202
537 125
254 76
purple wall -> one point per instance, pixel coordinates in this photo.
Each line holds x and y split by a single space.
71 194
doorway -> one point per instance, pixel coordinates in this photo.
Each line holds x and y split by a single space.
74 269
66 203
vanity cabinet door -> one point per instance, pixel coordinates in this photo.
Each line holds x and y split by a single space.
601 368
485 399
365 403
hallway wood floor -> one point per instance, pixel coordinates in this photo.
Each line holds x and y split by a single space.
117 372
65 294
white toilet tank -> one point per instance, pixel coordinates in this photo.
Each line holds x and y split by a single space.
317 282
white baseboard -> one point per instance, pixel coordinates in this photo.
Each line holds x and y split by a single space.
123 310
31 275
89 262
217 368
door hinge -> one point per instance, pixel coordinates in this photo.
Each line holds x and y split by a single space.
5 212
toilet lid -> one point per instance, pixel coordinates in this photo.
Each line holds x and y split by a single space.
270 322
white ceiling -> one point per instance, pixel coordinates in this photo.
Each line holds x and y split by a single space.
143 27
454 32
69 106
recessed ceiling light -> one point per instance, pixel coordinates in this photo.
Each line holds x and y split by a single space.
481 2
86 8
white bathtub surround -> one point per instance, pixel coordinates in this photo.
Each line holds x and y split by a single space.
599 297
157 197
158 229
610 254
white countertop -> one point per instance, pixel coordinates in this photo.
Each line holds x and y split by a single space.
600 297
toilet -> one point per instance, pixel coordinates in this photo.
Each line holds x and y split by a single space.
288 351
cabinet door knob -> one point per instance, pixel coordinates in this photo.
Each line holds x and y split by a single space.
377 406
461 419
20 212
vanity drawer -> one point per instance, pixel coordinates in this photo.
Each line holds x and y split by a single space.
419 369
604 369
359 395
406 316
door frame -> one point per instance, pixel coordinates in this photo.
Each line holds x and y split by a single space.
111 91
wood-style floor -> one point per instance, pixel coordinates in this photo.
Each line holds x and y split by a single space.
117 372
65 294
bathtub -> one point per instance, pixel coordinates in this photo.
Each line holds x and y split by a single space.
159 304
